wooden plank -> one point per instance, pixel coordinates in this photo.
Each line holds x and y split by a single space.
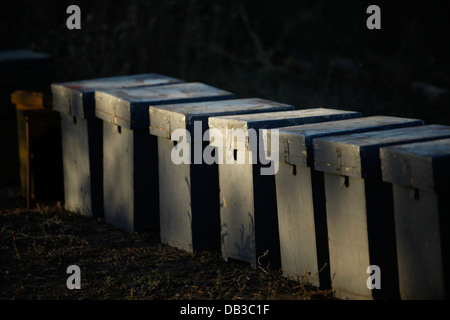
129 107
420 175
360 209
130 180
29 100
302 224
295 143
192 222
361 233
358 154
77 97
128 81
264 120
237 213
273 120
82 150
126 114
421 228
301 192
248 212
424 165
165 119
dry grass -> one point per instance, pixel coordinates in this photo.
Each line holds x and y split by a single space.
37 246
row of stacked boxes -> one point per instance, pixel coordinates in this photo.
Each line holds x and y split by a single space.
348 192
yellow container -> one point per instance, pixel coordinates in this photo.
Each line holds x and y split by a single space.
39 144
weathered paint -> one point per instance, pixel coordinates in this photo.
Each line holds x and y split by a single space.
358 154
82 137
165 119
82 145
422 165
130 107
130 174
301 193
420 175
295 143
189 193
77 97
131 192
360 210
303 237
249 224
274 120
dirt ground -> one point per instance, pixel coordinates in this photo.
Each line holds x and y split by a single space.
37 245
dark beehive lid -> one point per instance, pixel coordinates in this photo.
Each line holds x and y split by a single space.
165 119
269 120
21 68
295 143
424 165
357 154
22 59
78 97
129 107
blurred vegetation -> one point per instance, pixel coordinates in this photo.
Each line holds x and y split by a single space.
307 53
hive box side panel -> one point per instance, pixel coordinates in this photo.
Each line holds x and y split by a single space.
175 195
418 245
118 177
76 165
348 236
296 225
237 210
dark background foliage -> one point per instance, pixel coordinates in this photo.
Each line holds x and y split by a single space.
307 53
